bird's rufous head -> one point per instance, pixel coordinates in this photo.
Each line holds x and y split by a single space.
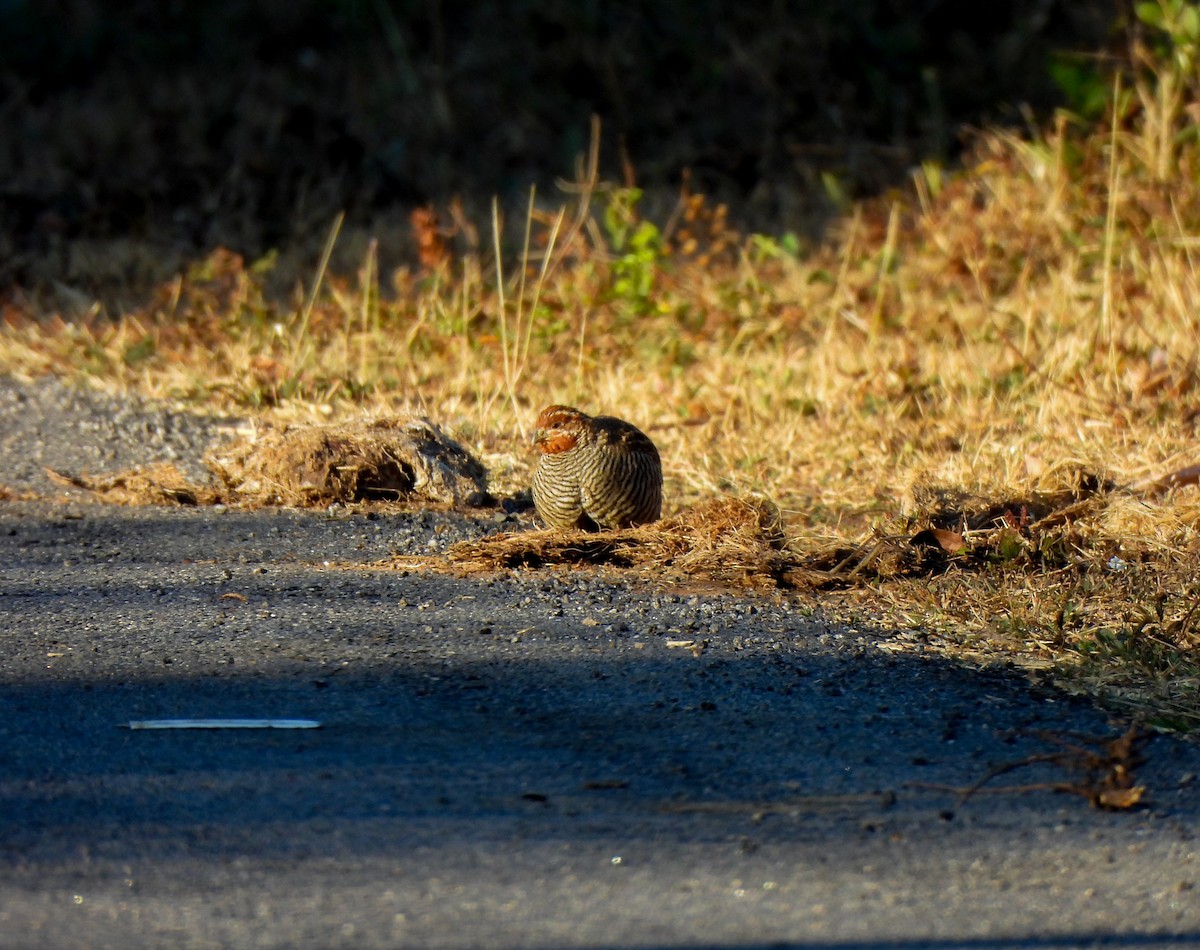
558 429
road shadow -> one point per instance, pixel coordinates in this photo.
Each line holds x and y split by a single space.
470 715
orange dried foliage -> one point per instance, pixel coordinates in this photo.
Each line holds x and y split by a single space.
431 245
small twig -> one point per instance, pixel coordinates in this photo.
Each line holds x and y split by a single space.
872 555
970 790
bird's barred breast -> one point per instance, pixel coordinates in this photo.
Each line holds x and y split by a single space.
556 495
610 478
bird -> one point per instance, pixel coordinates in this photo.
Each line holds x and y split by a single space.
595 472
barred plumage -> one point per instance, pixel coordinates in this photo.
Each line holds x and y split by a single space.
595 472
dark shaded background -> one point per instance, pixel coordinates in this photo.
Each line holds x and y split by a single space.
181 126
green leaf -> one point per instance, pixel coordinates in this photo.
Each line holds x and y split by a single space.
1151 14
1086 90
1189 22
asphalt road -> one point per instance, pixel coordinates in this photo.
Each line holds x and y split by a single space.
526 761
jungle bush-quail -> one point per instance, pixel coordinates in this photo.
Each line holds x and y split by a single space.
595 472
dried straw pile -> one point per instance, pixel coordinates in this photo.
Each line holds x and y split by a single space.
312 466
730 541
388 459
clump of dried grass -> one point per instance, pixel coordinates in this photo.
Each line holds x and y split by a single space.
387 459
312 466
730 541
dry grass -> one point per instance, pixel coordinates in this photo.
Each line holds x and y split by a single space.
311 466
730 542
1007 355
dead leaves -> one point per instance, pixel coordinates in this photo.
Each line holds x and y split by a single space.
430 239
968 531
950 542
